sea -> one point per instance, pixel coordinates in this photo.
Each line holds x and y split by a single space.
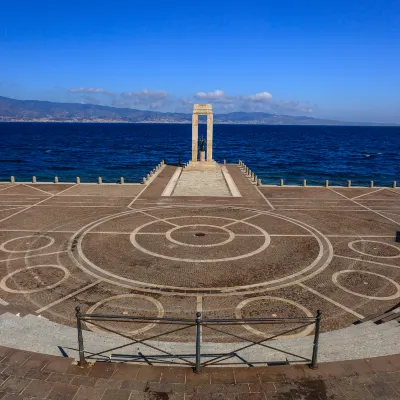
273 152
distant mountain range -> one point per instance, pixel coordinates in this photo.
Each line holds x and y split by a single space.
12 110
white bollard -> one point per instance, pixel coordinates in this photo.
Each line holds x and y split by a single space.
56 179
255 178
326 183
12 179
394 184
281 182
33 179
224 162
304 182
348 183
144 180
99 180
258 182
78 180
371 184
148 176
121 180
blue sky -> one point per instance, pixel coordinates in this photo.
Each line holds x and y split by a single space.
332 59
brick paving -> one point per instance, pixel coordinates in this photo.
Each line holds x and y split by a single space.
32 376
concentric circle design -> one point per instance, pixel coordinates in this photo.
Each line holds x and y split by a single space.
381 244
266 243
158 306
350 271
166 242
230 234
29 249
245 302
3 282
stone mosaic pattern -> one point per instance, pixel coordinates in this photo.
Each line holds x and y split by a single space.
273 252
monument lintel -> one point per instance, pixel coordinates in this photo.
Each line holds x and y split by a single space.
202 109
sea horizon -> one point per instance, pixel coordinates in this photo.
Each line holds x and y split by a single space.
113 149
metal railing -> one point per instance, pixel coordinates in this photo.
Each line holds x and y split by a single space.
200 359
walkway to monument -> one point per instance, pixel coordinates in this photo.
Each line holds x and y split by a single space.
201 183
202 180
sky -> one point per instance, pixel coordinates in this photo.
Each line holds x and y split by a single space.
324 59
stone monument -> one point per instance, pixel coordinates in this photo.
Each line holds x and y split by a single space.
202 109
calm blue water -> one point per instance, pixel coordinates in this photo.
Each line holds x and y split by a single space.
294 153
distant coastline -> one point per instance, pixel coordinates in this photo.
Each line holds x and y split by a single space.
12 110
343 124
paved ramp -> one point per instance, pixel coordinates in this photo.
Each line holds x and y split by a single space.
201 183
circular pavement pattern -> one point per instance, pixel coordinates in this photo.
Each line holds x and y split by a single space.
373 248
200 236
25 244
206 235
175 260
129 305
268 306
187 254
358 278
28 280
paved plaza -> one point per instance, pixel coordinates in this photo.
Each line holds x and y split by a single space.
128 250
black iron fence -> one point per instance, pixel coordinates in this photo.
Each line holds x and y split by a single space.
197 359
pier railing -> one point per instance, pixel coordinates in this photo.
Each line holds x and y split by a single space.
196 358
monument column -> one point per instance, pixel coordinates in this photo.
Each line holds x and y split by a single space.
195 136
209 137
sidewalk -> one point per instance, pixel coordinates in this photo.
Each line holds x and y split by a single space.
25 375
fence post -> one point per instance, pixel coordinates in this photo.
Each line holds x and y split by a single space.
314 360
82 362
198 334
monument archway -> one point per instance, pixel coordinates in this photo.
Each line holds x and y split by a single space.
202 109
